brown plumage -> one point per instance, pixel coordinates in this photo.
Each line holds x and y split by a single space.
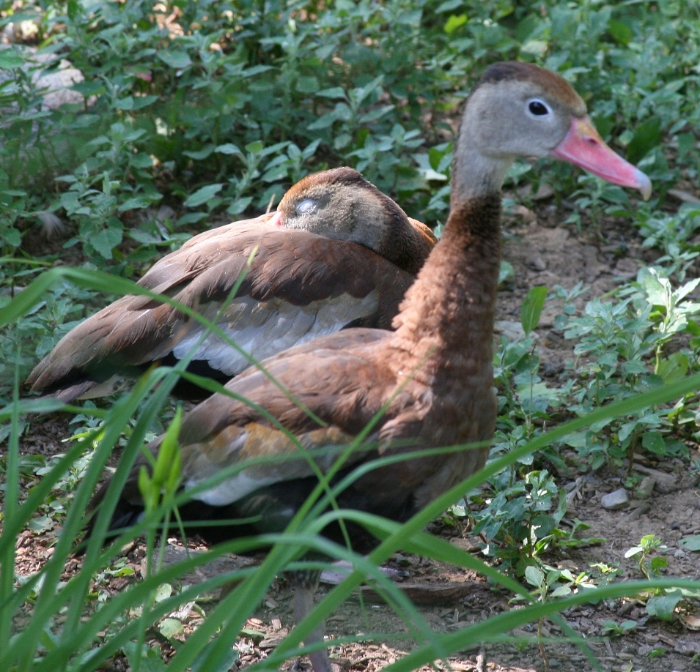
433 374
337 253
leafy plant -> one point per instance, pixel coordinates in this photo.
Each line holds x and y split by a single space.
647 547
611 628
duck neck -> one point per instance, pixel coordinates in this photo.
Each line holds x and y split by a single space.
445 327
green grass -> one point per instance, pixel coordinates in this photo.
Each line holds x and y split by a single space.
218 112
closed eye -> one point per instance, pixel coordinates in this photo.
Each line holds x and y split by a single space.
305 207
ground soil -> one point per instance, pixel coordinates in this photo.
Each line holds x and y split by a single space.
542 251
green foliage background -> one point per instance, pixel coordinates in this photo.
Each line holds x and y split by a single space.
214 107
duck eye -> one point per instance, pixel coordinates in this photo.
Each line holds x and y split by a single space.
305 207
538 108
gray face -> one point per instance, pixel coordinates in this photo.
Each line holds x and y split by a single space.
505 119
516 118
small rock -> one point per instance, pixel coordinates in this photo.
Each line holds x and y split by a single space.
524 213
552 368
536 263
664 482
548 317
511 329
615 500
524 191
687 647
639 511
646 487
626 267
543 192
271 642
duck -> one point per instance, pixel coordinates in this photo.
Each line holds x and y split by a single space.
426 385
337 253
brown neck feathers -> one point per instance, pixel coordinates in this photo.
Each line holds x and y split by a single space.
446 318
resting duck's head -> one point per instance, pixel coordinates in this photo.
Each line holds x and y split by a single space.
343 205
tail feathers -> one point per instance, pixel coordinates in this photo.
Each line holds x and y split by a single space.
70 393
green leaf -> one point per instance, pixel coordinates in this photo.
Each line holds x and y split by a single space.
106 240
200 155
322 122
620 31
41 524
534 576
674 367
307 85
89 88
411 17
255 147
561 591
170 628
662 606
228 148
532 308
74 9
654 442
686 143
191 218
175 58
256 70
449 5
164 591
10 60
240 205
142 237
203 195
645 138
135 203
505 271
141 160
454 22
125 103
691 543
167 468
335 92
11 236
274 174
143 101
526 28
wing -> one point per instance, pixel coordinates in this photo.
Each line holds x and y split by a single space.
340 383
299 286
341 379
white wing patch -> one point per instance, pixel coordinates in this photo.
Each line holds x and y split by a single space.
200 464
264 328
230 490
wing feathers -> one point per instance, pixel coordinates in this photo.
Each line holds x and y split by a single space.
300 286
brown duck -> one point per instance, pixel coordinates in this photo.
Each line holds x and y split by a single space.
337 253
433 374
